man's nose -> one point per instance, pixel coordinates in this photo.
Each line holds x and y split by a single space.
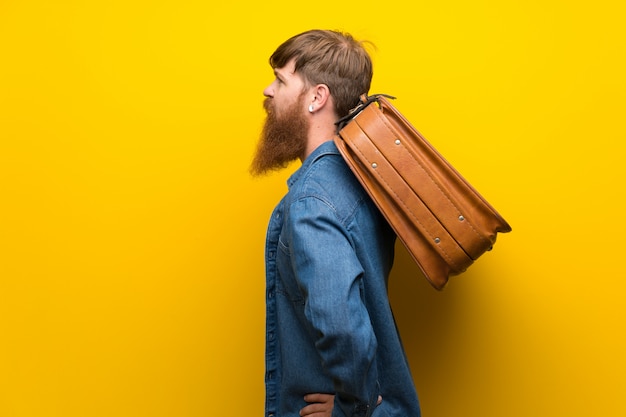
269 91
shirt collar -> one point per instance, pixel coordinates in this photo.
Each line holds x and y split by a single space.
325 148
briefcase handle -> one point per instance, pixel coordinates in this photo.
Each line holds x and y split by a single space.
365 101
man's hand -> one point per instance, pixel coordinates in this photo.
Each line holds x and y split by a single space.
321 405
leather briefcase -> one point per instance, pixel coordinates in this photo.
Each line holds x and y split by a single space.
444 223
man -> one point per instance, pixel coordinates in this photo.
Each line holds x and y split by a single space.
332 348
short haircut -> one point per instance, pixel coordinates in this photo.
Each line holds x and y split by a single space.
332 58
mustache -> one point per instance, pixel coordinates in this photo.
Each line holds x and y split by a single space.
267 105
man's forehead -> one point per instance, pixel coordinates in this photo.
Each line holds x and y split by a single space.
288 70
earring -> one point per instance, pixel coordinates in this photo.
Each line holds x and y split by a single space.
310 108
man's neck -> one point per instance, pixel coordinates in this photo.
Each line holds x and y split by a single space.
321 130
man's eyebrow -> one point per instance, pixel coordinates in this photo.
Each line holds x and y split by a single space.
278 75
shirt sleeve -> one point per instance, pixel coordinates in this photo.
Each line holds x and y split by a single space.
330 277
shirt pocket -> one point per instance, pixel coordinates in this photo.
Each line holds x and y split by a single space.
287 285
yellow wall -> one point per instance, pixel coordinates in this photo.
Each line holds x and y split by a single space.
131 235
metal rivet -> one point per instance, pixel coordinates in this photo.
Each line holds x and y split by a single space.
374 165
461 218
437 240
397 141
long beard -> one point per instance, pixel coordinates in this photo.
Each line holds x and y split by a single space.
283 138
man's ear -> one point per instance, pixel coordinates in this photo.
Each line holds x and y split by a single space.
320 97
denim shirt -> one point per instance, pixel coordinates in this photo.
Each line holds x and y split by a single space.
330 328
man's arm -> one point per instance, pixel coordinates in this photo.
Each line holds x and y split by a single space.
330 276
